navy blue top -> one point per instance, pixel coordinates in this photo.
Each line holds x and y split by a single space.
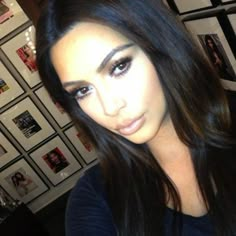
88 213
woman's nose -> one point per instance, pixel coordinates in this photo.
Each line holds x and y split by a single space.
111 102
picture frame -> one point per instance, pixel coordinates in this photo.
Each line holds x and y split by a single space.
53 107
22 182
20 50
12 16
6 199
56 161
227 1
9 87
7 151
188 6
27 124
81 143
211 33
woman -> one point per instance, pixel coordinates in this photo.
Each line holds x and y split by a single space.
129 74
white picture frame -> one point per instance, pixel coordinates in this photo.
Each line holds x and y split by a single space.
209 26
20 50
26 123
22 182
56 161
7 151
57 112
14 17
187 6
9 87
82 144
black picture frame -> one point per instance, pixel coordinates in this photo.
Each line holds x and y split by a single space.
214 25
176 8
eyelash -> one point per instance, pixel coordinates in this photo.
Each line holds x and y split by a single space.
124 61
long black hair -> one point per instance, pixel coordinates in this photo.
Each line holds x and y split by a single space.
137 187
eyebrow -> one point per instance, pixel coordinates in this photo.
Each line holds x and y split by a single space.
104 62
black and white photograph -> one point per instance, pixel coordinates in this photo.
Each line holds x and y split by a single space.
187 6
212 40
20 50
26 123
56 161
9 87
22 182
11 16
217 56
53 107
82 144
8 152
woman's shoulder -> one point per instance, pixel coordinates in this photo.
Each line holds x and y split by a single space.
87 211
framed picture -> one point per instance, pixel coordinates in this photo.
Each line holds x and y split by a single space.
209 34
5 199
231 15
55 160
21 52
227 1
22 182
187 6
11 16
82 144
9 88
53 107
7 151
27 124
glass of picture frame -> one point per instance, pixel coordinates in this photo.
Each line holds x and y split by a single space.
55 160
208 32
22 182
53 107
9 88
21 51
7 151
188 6
11 17
82 144
27 124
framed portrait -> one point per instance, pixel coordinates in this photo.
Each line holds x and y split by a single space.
227 1
208 33
7 151
9 88
22 182
5 199
82 144
187 6
231 15
55 160
21 52
27 124
11 16
53 107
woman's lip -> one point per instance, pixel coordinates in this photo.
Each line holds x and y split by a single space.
132 127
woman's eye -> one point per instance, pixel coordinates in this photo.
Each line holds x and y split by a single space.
81 92
120 67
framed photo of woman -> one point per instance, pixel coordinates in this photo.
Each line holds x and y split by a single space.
7 150
55 160
26 123
22 182
20 50
11 16
9 87
188 6
82 144
53 107
212 38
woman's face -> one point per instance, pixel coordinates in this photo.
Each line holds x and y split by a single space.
113 81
